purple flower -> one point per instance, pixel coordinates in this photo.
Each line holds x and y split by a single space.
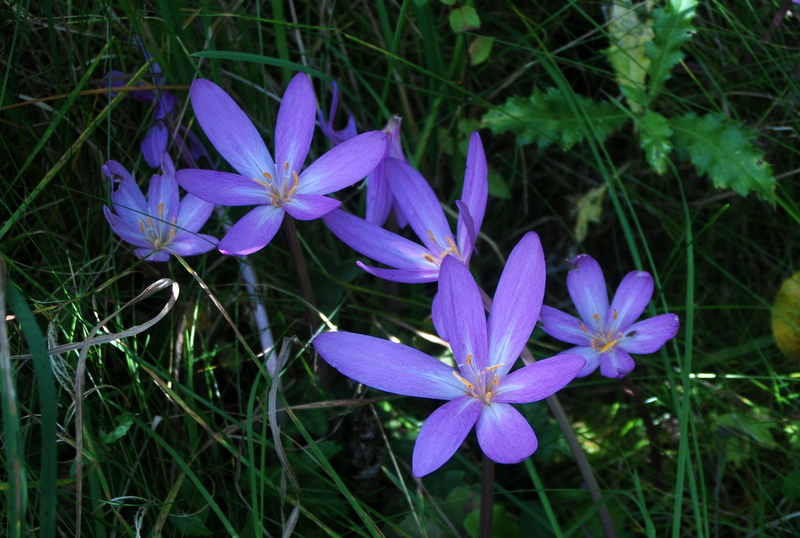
336 137
414 262
275 189
162 223
480 390
607 335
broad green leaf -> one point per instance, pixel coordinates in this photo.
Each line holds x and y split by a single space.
497 185
755 428
588 208
786 317
654 136
448 2
723 150
545 118
672 27
791 486
124 423
464 19
630 28
479 49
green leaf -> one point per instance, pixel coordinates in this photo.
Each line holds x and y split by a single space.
672 27
545 118
630 28
502 524
724 152
124 421
791 486
654 137
588 208
190 524
479 49
497 185
754 427
464 19
786 317
448 2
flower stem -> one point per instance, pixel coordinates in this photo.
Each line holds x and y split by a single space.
572 440
487 498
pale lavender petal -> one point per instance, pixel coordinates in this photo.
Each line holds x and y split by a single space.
419 204
591 356
616 363
517 302
336 137
504 434
128 200
438 317
399 216
230 130
388 366
127 230
163 198
587 287
222 188
310 206
564 327
193 213
466 226
155 143
379 197
167 166
395 149
462 314
476 189
442 434
165 102
649 335
253 231
295 125
539 380
630 300
148 254
345 164
379 244
189 244
405 276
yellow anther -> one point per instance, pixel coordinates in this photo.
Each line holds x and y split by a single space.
607 346
149 222
583 327
594 345
495 367
285 166
469 359
487 398
428 257
296 179
496 380
596 317
141 226
433 238
172 233
615 313
267 175
467 383
263 183
161 209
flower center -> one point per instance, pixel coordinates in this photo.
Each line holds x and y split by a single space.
603 342
159 233
451 248
479 384
280 191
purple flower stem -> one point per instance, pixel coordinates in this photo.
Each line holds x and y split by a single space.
574 445
487 498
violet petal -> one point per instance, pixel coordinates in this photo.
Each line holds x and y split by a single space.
504 434
222 188
343 165
310 206
462 314
539 380
564 327
616 363
253 231
630 300
649 335
442 434
295 125
587 287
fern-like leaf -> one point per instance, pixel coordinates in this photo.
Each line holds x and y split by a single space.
673 27
724 152
654 137
545 118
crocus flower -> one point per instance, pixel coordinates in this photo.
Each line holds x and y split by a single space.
380 200
481 389
414 262
162 223
607 335
275 189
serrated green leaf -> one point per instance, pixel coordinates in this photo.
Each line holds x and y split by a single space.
479 49
724 152
124 423
630 28
672 27
464 19
190 524
545 118
654 137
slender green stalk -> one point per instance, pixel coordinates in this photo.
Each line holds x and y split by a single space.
487 498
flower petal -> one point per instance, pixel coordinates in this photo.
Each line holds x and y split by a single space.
126 230
379 244
230 130
253 231
388 366
616 363
345 164
295 125
163 198
517 302
191 244
539 380
475 191
193 213
466 226
504 434
222 188
649 335
630 300
405 276
587 287
591 356
150 255
419 204
128 200
564 327
336 137
442 434
462 316
155 143
379 197
310 206
438 316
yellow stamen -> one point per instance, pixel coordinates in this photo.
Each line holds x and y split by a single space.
495 367
607 346
141 226
583 327
285 166
263 183
467 383
430 234
596 317
149 222
595 346
496 380
428 257
161 209
487 398
615 313
267 175
469 359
